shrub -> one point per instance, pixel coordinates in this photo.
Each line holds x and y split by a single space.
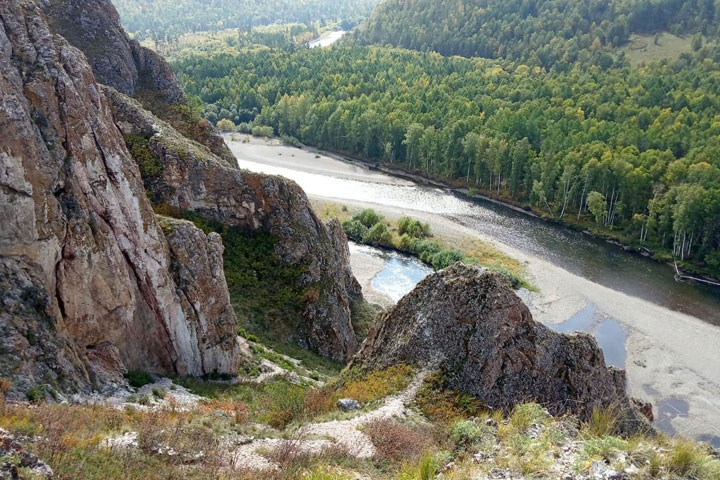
138 378
147 161
263 131
395 442
283 403
446 257
36 394
226 125
444 405
159 393
467 435
292 141
425 469
367 217
378 235
413 228
354 229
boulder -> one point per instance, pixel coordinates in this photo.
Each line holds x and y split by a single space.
470 324
10 448
348 404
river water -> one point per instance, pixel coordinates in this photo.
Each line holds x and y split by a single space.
327 39
664 333
578 253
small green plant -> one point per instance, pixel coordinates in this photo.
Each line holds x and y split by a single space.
36 394
468 435
138 378
159 393
426 468
689 460
602 423
247 335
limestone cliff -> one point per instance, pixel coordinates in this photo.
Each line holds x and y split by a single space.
86 286
469 324
186 176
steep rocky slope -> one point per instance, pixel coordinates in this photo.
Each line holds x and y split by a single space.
94 27
86 286
469 323
186 176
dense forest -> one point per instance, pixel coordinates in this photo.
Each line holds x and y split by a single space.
166 20
536 32
635 151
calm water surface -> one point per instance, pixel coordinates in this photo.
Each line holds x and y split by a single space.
576 252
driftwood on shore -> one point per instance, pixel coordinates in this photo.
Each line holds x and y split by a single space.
679 276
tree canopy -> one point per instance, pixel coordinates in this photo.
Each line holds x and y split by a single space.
535 32
645 141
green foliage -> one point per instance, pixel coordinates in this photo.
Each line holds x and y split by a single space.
36 393
426 468
263 131
378 235
690 460
264 289
226 125
645 139
413 228
354 229
138 378
551 33
165 20
148 162
470 435
159 393
369 218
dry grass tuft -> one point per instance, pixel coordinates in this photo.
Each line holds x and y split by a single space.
395 442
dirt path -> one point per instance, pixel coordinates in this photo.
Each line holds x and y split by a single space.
335 433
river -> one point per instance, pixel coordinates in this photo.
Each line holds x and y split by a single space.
672 335
327 39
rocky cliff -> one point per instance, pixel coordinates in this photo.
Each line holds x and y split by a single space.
93 26
469 324
186 176
86 286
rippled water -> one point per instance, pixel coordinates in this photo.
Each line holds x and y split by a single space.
576 252
399 276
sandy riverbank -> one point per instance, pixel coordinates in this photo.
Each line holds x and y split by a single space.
672 357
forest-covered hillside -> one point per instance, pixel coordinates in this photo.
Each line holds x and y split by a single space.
536 32
165 20
635 151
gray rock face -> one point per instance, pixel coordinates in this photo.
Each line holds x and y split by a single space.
93 26
86 285
470 324
348 404
9 447
192 178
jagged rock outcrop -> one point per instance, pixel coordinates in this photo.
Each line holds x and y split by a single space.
469 324
86 285
196 265
14 459
93 26
186 176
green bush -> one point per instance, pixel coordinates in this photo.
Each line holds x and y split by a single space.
354 229
138 378
159 393
36 394
263 131
413 228
467 435
378 235
446 257
367 217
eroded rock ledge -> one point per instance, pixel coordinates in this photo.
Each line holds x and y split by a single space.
470 324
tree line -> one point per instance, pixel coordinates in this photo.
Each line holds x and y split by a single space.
536 32
166 20
636 151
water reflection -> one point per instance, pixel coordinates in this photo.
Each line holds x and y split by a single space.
580 254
